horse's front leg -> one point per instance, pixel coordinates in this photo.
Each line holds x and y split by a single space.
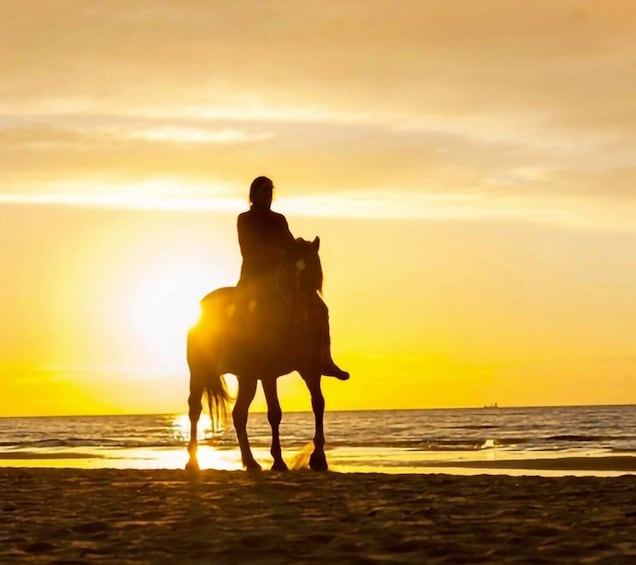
318 460
194 404
246 392
274 416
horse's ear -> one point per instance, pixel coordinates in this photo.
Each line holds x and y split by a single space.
316 244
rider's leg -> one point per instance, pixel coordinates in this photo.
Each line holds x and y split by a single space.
321 319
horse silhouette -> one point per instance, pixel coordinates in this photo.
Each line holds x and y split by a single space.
259 341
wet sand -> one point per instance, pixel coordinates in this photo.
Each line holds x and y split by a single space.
164 516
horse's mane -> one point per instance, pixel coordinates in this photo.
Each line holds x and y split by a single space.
308 252
311 273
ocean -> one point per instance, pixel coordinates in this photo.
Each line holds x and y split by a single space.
573 440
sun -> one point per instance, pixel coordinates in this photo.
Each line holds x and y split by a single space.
165 305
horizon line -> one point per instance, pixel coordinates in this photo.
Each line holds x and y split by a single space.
430 409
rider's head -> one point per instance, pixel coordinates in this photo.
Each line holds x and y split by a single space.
261 192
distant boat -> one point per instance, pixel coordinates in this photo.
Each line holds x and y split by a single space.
494 405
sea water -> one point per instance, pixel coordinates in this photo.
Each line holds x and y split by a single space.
598 440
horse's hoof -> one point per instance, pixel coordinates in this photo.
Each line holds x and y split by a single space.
192 466
252 466
318 462
280 466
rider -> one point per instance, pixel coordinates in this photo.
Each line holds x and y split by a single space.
264 238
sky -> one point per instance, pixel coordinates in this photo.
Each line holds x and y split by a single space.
470 168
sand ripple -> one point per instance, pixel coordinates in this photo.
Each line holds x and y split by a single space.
80 516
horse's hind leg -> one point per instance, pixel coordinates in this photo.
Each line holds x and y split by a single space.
274 416
246 392
194 404
318 460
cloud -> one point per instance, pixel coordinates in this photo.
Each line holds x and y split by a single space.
558 62
490 100
86 129
382 203
181 134
125 202
305 157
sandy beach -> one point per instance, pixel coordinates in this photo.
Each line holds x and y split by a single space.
166 516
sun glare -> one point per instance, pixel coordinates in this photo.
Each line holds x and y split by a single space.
181 427
208 456
165 304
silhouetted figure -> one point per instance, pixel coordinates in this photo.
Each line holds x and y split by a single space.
265 240
216 348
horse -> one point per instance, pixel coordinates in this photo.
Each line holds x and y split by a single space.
260 341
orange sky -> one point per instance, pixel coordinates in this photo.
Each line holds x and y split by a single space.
469 167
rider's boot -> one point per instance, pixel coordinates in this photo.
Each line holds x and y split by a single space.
328 366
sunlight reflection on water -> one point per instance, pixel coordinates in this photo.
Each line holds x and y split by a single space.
583 440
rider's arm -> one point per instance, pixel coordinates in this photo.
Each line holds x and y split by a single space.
286 239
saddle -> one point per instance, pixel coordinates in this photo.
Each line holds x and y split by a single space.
262 314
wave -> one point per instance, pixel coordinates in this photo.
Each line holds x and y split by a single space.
473 427
36 455
91 443
553 443
399 439
586 438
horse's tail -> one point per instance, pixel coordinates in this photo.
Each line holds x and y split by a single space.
218 402
204 351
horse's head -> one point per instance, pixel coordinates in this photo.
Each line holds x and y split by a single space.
305 265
